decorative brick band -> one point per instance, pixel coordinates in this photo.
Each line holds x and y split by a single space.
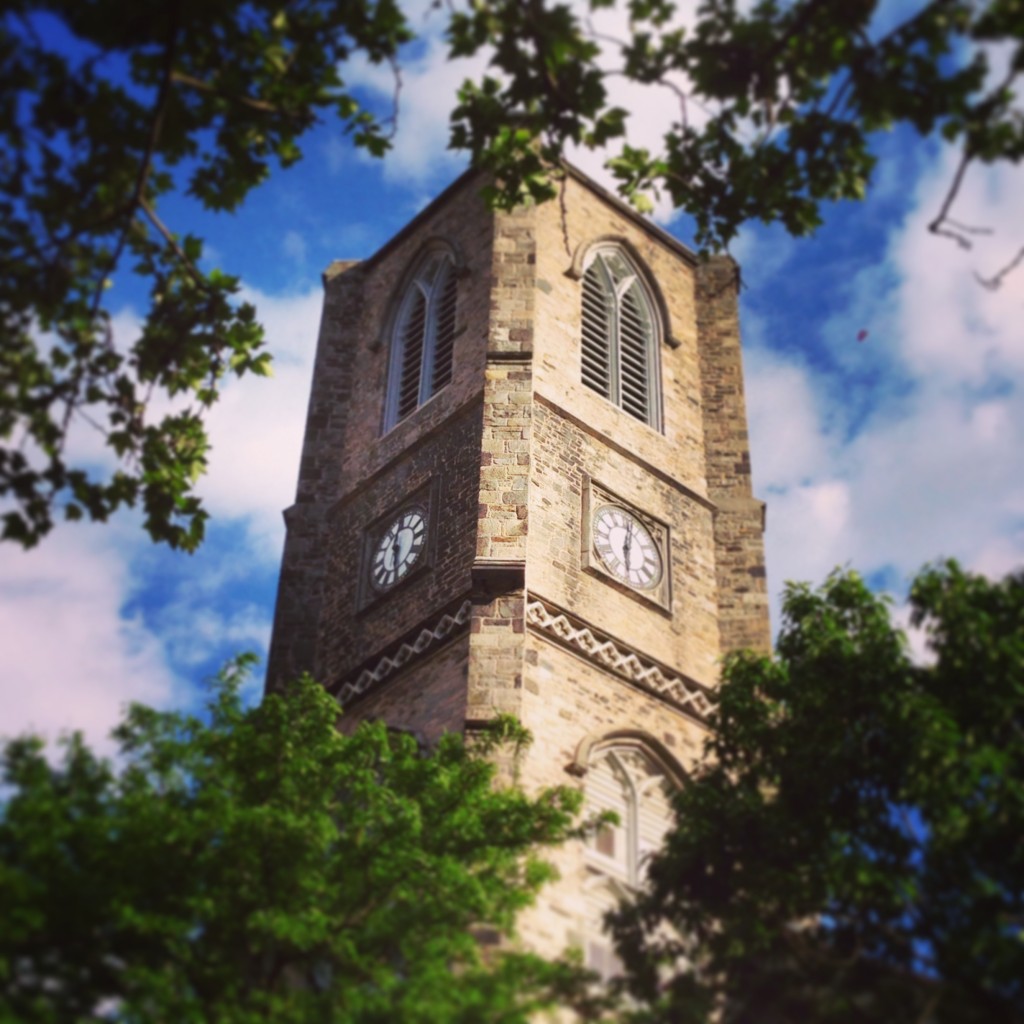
599 648
426 639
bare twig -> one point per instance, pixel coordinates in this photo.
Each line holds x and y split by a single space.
82 414
684 99
995 282
565 216
396 70
603 37
937 226
967 229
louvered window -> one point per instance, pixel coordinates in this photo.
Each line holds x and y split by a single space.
632 785
619 345
423 340
625 780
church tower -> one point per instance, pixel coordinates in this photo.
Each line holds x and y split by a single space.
525 487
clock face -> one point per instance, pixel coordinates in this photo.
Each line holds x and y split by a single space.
399 549
626 547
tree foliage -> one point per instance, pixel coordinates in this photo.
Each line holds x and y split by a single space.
777 100
106 111
264 866
852 847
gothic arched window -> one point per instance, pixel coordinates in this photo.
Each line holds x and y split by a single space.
620 336
423 338
627 780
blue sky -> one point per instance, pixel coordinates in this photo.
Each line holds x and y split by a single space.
882 453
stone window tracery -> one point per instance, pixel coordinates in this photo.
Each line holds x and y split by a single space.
423 338
630 782
620 336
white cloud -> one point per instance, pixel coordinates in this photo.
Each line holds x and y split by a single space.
197 625
73 654
70 658
791 447
256 427
294 247
430 80
933 469
951 326
917 638
429 87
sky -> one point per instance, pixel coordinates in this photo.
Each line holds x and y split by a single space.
884 390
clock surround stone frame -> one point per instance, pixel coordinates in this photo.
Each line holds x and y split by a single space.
595 496
424 498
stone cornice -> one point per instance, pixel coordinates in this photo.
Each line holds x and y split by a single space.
614 656
417 646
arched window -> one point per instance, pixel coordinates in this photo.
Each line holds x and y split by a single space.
627 780
423 338
620 336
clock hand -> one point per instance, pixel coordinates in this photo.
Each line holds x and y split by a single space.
627 543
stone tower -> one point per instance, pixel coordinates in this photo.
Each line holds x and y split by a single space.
525 487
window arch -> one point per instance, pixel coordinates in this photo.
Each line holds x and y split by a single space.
423 338
620 336
631 783
625 779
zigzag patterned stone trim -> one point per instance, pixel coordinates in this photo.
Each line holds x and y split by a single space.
391 663
600 649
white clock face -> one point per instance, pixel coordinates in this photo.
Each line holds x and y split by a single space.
626 547
399 548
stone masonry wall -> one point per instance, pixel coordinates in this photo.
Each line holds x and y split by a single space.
300 585
496 653
427 701
352 474
568 700
739 519
578 433
442 469
506 454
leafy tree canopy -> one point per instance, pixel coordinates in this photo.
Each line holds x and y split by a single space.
264 866
777 106
852 847
105 110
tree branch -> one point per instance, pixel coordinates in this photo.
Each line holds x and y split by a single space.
246 101
995 282
146 166
396 69
936 227
197 275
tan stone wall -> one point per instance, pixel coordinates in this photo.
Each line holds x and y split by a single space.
351 629
496 653
562 453
567 700
504 462
576 431
739 517
513 441
300 586
428 700
351 472
562 239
